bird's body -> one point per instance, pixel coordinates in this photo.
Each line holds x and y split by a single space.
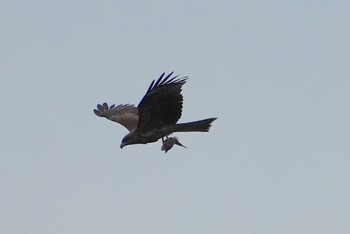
156 115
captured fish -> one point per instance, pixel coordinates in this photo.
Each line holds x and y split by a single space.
169 142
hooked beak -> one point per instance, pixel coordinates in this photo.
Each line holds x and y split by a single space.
122 145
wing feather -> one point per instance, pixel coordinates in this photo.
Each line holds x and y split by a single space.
126 115
162 103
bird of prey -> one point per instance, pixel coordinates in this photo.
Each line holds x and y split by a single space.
156 115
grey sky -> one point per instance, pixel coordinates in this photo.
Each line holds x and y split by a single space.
275 73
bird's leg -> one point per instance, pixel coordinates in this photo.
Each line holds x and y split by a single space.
168 143
163 144
166 138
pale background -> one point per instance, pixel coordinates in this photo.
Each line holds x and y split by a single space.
275 73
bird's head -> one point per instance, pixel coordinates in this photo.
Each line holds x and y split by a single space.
128 140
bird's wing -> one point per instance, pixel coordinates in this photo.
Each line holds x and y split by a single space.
126 115
162 103
177 142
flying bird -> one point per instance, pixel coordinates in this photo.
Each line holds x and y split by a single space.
156 115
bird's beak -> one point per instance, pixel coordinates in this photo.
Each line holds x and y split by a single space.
122 145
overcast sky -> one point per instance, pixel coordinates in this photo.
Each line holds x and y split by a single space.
275 73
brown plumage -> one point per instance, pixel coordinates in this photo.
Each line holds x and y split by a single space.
156 115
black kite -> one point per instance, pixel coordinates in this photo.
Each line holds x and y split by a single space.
156 115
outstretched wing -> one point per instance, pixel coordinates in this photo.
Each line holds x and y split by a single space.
162 103
127 115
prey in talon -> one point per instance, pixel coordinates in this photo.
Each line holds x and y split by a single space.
169 142
156 115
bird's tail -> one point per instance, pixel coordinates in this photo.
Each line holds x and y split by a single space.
195 126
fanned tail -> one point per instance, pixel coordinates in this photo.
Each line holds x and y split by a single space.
195 126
